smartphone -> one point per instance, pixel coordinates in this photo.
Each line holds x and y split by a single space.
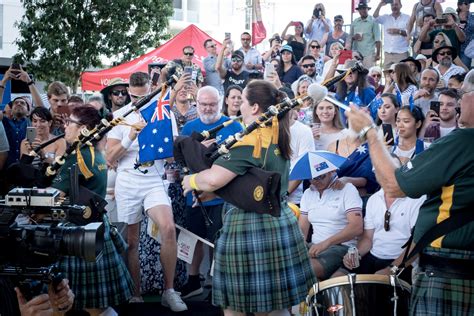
345 55
15 68
227 35
188 70
441 20
269 69
64 109
434 106
30 134
154 79
387 130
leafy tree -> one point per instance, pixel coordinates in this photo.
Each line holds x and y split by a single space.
59 39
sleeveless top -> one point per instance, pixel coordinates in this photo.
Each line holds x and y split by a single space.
420 11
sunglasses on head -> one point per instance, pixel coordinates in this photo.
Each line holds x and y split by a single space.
315 46
445 53
308 65
189 54
386 221
119 92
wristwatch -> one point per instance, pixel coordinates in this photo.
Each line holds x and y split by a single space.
363 132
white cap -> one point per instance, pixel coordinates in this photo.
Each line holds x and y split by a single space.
421 57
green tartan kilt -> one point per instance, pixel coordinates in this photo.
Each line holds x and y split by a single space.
443 296
99 284
261 262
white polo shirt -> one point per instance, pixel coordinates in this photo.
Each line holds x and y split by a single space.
328 213
128 160
396 44
403 215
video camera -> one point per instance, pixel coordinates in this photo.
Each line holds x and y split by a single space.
36 229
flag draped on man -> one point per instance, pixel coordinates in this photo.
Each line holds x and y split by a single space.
156 138
259 33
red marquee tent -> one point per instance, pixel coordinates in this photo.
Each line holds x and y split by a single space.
192 35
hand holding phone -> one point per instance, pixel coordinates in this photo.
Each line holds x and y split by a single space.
227 35
388 134
15 69
434 106
30 134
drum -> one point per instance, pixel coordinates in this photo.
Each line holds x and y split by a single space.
359 294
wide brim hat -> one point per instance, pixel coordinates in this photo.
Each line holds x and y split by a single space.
113 83
363 5
453 12
454 53
413 60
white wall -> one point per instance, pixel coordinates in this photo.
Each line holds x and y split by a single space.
12 12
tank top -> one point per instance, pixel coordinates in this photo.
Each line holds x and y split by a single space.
420 11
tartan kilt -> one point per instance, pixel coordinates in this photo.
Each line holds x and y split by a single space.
99 284
261 262
443 296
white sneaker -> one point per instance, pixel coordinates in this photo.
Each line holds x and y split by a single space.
136 299
173 300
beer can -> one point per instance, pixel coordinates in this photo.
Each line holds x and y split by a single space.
353 253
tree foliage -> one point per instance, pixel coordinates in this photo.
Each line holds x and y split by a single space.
59 39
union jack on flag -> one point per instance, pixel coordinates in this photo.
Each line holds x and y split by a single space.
156 138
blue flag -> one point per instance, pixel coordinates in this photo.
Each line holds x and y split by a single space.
374 105
411 102
156 139
399 95
356 100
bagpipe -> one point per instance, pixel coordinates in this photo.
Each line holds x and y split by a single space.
257 190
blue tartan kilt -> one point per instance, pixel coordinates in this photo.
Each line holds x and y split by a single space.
99 284
261 263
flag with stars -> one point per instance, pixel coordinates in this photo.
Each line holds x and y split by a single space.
374 105
156 138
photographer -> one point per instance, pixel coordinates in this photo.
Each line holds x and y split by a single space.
16 72
318 25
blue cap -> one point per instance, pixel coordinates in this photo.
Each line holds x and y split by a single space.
287 48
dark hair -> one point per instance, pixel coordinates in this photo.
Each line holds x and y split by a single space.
87 115
458 77
225 107
393 99
265 94
57 88
189 47
246 33
205 43
416 113
75 98
432 69
403 75
450 92
139 79
42 113
342 89
305 57
429 14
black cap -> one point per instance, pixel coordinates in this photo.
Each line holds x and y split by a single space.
363 5
338 17
238 54
413 60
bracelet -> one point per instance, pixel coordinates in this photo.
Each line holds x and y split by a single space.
126 142
363 132
30 83
192 182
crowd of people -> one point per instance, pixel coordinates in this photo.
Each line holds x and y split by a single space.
408 165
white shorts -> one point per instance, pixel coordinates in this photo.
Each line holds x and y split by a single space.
133 194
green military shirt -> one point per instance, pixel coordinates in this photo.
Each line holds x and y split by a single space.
445 172
240 158
96 164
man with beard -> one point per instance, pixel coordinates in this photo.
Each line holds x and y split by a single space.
236 74
441 125
15 128
58 94
444 56
209 112
115 94
428 82
308 65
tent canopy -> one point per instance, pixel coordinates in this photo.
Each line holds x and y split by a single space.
172 49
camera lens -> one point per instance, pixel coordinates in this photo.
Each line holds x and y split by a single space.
86 242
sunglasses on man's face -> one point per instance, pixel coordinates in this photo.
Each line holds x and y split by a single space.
119 92
189 54
386 222
315 46
245 39
236 60
308 65
444 53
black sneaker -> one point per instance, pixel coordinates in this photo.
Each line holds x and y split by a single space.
191 289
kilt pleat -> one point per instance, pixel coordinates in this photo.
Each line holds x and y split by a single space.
261 263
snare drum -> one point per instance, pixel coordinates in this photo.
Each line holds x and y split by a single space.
361 294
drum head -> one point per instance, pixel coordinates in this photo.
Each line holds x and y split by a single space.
370 294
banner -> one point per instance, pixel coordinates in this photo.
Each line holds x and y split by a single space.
259 33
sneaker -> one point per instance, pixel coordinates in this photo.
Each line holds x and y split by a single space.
172 300
191 289
136 299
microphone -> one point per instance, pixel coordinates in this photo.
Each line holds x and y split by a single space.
317 92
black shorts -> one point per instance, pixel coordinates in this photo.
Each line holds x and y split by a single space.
195 221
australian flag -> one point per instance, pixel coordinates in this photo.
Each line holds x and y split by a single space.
156 139
374 106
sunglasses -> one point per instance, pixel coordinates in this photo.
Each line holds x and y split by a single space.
189 54
236 60
211 46
315 46
245 39
377 75
386 222
70 120
119 92
445 53
308 65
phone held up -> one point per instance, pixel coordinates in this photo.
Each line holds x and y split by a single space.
434 106
30 134
15 69
388 134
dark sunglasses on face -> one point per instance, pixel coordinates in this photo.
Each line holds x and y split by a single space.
445 53
308 65
236 60
377 75
119 92
315 46
189 54
386 222
245 39
211 46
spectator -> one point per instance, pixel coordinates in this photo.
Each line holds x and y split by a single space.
337 35
318 25
179 64
288 70
305 112
15 128
58 94
252 57
396 38
437 126
456 81
232 101
404 82
444 56
440 40
415 67
427 92
466 24
450 28
4 147
308 65
21 75
425 48
74 100
376 73
328 127
115 94
365 35
182 97
212 75
296 41
420 10
334 51
274 51
422 59
236 74
315 51
409 124
387 113
335 226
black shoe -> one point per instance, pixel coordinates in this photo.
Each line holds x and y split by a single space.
191 289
